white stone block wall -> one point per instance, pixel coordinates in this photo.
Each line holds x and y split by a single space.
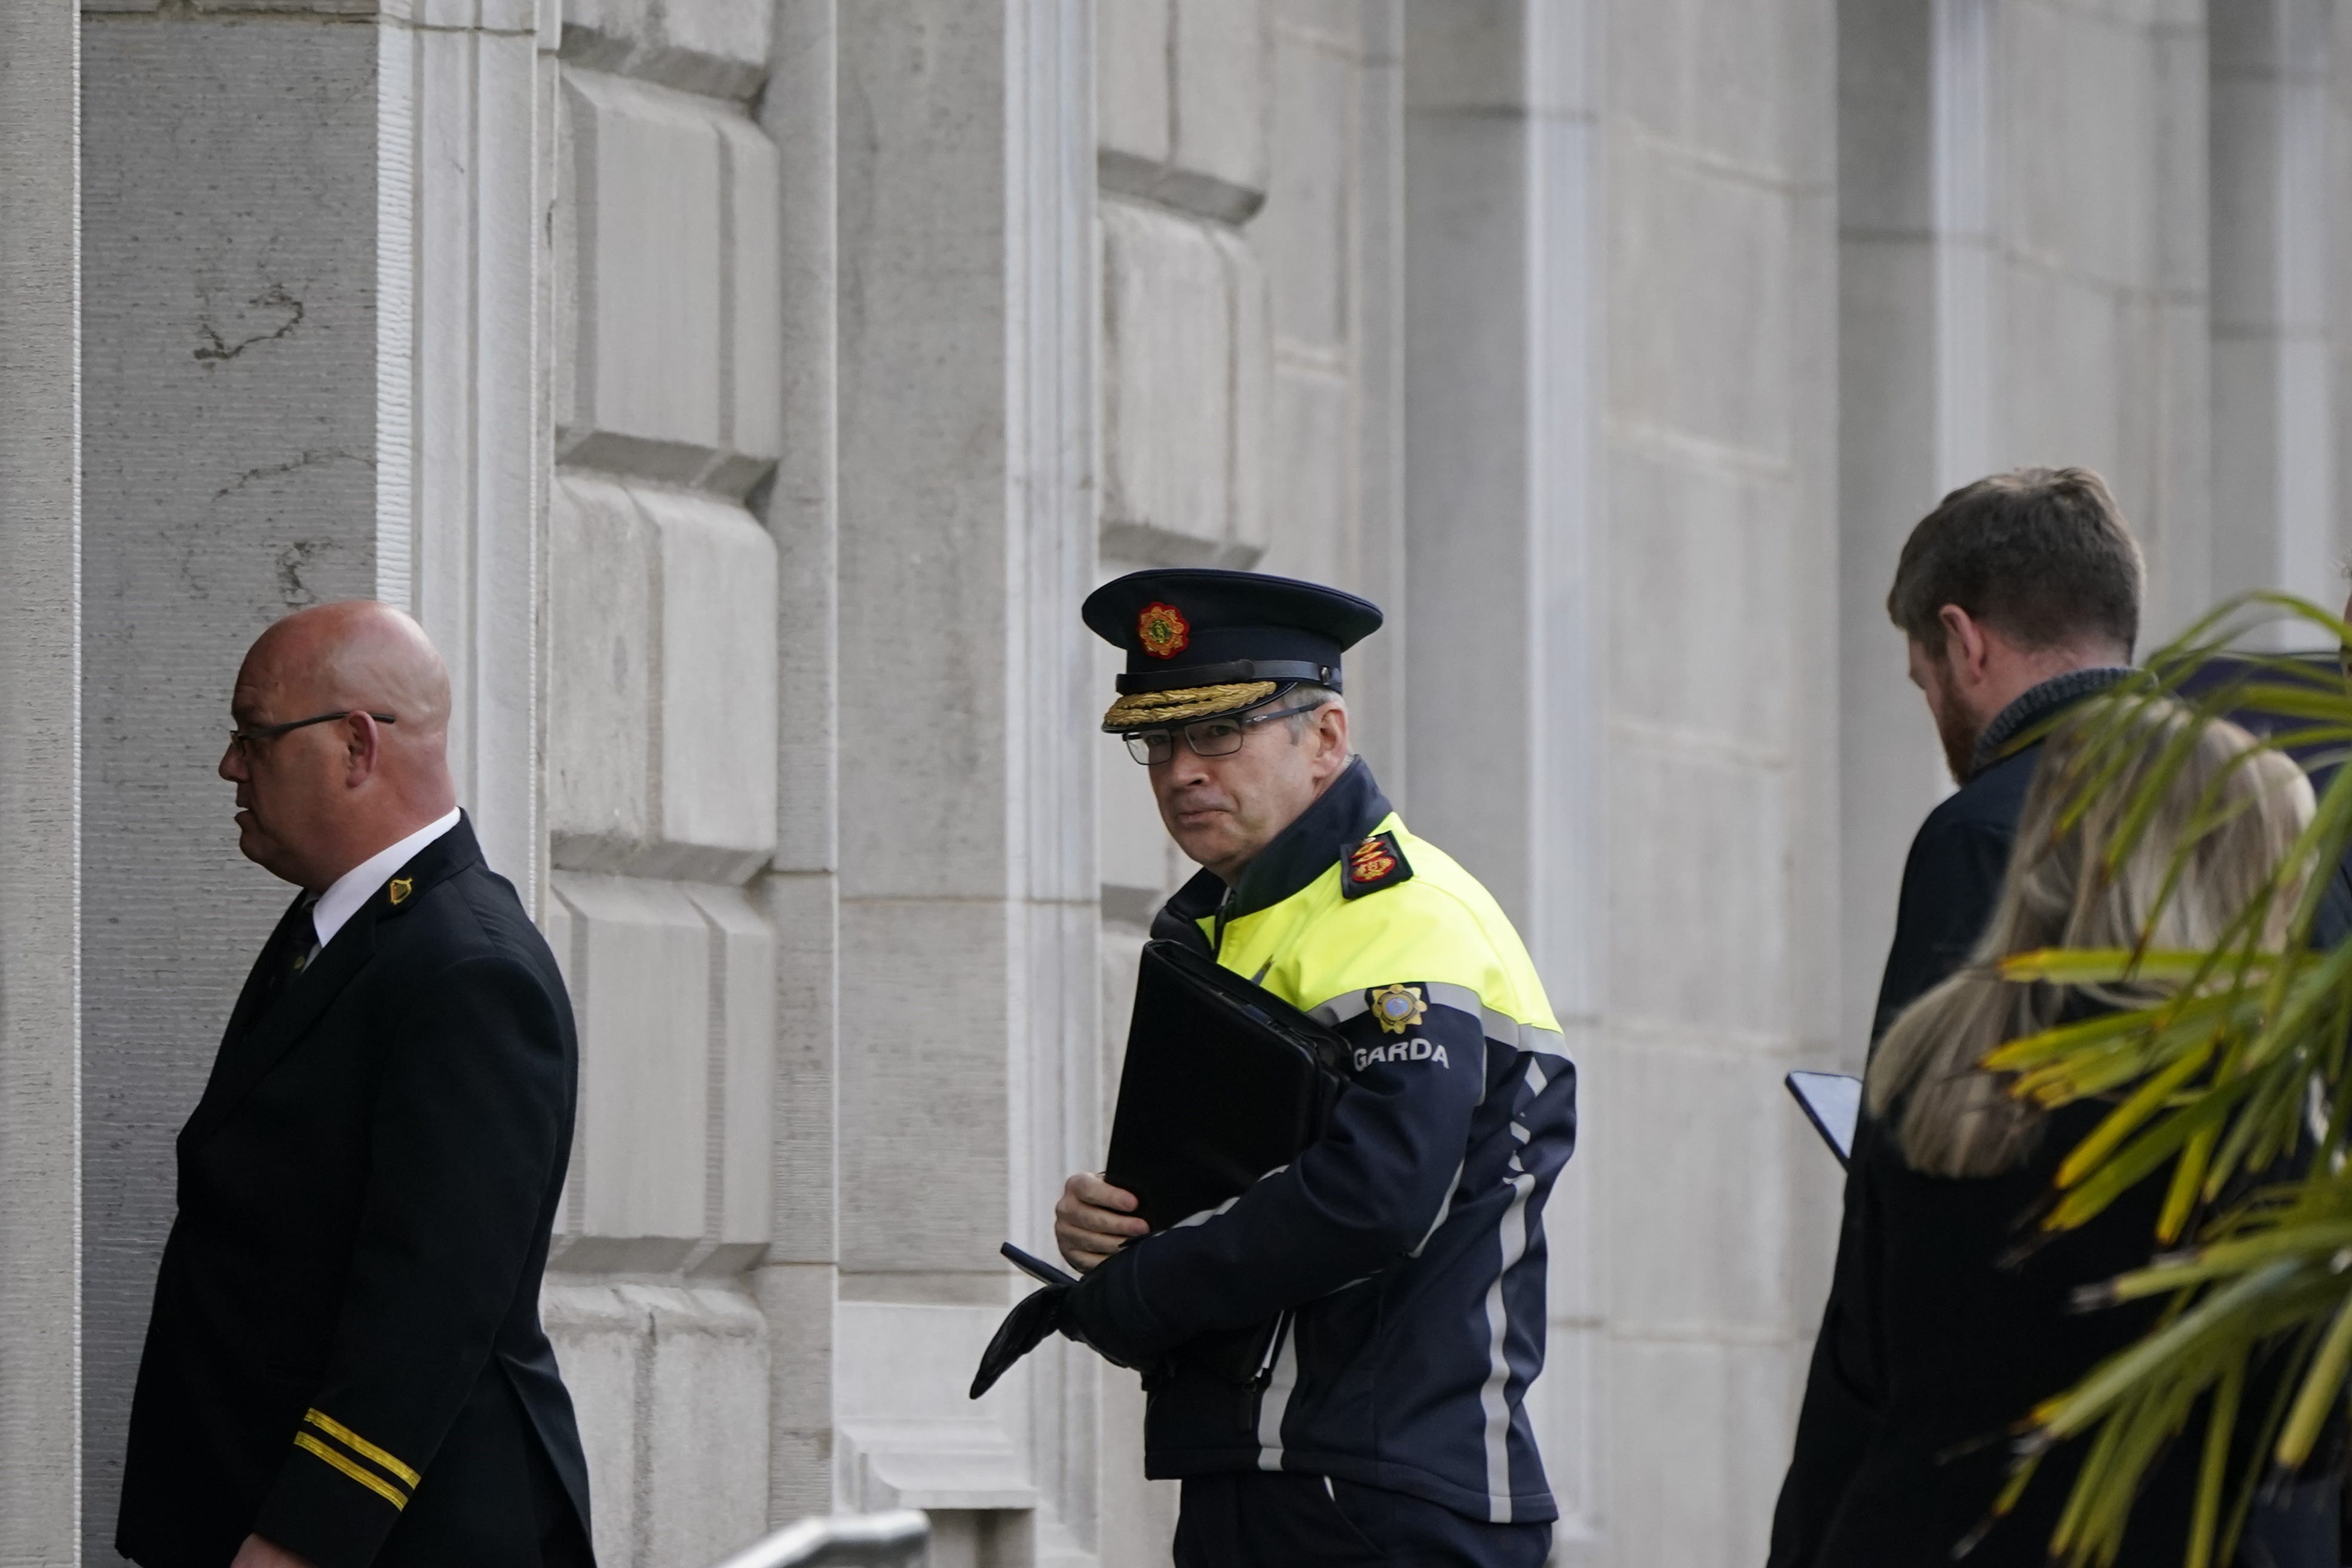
746 392
2078 234
661 794
1624 535
40 800
1717 473
2272 70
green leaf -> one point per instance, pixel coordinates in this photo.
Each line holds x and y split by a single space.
2318 1391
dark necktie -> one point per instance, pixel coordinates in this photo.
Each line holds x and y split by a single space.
290 948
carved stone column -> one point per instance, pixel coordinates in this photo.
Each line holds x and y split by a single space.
40 805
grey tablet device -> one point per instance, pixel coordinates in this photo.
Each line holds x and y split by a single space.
1833 1103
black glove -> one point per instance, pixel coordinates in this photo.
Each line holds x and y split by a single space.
1024 1329
1056 1309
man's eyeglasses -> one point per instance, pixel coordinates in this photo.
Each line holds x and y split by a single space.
1207 737
244 739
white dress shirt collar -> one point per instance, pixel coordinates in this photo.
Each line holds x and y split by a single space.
339 903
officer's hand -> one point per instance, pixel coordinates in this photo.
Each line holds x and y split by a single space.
258 1554
1093 1220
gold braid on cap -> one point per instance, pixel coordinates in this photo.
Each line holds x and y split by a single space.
1146 710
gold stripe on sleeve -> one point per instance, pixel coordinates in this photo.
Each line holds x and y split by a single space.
376 1484
360 1445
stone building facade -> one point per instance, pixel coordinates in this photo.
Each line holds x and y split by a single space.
746 392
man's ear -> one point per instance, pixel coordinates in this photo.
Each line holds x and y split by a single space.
1966 645
363 745
1331 734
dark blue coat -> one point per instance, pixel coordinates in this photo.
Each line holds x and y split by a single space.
1882 1427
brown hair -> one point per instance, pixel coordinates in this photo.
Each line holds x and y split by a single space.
2041 555
1952 1117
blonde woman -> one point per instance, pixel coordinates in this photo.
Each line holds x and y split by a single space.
1960 1328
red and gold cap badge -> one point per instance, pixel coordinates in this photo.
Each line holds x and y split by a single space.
1163 630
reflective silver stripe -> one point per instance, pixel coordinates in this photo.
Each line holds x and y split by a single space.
1339 1009
1275 1401
1498 1027
1527 1036
1495 1396
1207 1215
1443 1209
1461 998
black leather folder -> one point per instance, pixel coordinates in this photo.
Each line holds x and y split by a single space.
1223 1082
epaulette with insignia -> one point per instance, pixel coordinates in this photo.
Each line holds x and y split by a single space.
1374 864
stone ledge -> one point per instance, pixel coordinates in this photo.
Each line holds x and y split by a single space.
715 47
909 1436
943 1463
1150 545
1190 191
1182 98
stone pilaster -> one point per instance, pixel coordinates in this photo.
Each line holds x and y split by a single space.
662 779
2274 324
801 896
40 798
1506 534
229 333
966 1024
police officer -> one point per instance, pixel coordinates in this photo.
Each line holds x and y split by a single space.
1400 1260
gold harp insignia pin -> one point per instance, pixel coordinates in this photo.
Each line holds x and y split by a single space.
401 888
1398 1007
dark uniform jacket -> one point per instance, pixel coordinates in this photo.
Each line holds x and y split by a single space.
1957 1337
1896 1383
1400 1258
1950 882
345 1355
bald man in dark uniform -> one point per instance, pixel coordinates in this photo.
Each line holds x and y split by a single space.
345 1365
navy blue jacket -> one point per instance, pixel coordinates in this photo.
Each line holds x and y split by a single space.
1950 882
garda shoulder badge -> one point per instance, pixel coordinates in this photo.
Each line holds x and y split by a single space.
1374 864
1398 1007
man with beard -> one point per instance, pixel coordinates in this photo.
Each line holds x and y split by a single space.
2020 596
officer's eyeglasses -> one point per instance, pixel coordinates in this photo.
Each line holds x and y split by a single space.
244 739
1207 737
